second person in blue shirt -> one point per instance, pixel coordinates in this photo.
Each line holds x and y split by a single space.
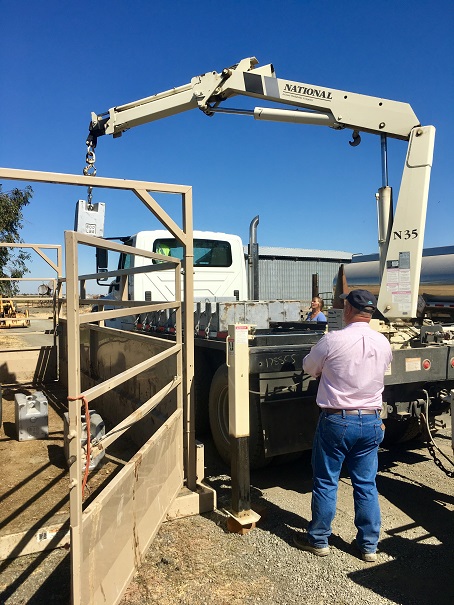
315 313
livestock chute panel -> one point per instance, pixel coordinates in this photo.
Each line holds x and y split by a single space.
136 382
120 525
111 528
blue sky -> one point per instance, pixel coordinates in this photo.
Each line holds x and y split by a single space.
63 60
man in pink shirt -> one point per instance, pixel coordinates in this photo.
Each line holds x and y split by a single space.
351 364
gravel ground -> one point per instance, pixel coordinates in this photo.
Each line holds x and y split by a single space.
194 561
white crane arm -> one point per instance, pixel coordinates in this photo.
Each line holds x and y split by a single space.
338 108
401 236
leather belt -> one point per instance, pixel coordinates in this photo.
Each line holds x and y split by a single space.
350 412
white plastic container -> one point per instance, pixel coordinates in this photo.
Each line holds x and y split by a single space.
31 416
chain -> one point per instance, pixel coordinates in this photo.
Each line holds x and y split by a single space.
431 446
437 460
90 170
90 159
90 198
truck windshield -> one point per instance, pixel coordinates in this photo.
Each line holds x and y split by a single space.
125 261
207 252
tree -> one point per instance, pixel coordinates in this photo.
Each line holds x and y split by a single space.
13 261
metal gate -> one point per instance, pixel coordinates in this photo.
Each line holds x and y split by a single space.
34 363
111 534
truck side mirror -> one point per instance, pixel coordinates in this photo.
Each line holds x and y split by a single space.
102 263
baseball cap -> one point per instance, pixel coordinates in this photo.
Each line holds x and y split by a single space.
361 299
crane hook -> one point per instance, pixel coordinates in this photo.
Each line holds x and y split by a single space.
356 139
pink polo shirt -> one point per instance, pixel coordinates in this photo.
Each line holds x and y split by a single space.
352 363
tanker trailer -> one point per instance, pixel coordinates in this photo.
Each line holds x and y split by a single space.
436 286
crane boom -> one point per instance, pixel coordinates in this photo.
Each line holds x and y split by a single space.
338 108
401 239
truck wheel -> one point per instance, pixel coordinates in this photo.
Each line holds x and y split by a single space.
400 431
219 421
202 381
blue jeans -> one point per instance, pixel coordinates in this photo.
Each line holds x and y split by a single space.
355 439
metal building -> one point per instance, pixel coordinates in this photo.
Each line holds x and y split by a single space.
286 273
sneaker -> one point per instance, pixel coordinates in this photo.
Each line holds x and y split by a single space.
369 557
302 543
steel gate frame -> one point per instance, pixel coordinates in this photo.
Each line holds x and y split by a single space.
87 585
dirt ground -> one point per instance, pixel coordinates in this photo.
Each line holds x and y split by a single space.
197 556
196 560
36 488
34 493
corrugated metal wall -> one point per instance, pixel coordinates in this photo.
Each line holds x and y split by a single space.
291 279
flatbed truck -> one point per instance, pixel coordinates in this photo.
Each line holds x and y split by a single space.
282 401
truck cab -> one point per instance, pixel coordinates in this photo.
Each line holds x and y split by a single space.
219 266
219 269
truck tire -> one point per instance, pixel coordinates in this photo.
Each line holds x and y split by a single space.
202 381
219 421
400 431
